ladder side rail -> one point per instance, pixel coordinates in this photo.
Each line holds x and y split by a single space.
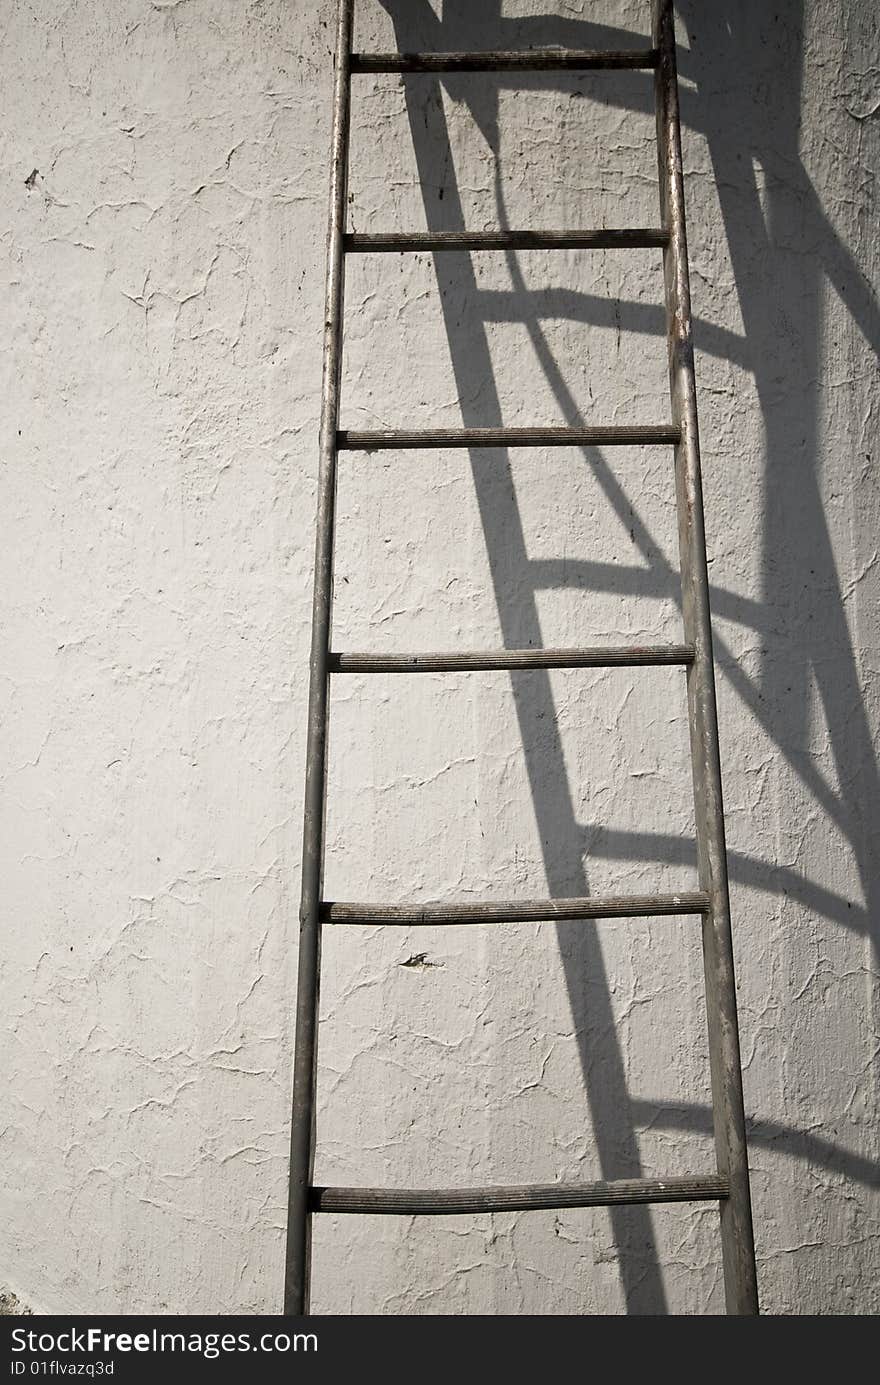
302 1130
737 1240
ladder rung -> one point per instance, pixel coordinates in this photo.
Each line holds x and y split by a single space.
518 911
630 657
524 60
625 435
637 238
532 1197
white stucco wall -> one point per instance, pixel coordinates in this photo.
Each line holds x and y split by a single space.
164 171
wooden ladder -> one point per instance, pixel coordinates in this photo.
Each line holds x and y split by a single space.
728 1184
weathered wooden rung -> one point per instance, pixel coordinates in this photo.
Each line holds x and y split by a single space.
634 656
522 60
533 1197
517 911
633 435
358 242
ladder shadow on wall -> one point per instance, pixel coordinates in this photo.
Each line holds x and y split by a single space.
799 639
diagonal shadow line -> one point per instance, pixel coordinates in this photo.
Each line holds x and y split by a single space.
625 580
614 844
622 315
759 705
803 1145
604 1073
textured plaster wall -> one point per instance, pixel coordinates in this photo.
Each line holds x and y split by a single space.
163 210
